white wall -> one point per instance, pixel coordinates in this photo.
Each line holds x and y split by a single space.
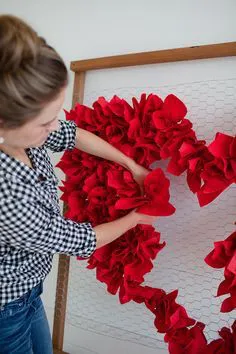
90 28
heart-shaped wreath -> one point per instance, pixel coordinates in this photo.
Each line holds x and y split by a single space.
101 191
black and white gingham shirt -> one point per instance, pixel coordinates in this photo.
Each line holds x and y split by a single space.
32 228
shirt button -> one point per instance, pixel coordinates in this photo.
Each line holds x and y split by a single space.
41 178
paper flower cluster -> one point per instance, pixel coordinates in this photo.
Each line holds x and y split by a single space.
100 191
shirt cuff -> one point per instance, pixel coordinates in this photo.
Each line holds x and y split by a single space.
89 242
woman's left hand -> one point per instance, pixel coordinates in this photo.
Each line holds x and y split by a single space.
139 173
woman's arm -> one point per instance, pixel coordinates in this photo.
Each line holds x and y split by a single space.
29 226
92 144
108 232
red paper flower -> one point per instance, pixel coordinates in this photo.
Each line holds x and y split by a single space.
156 196
182 159
141 125
224 149
226 344
140 294
224 256
127 258
214 182
187 341
171 140
221 172
170 315
172 112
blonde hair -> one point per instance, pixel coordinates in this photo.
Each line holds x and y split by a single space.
31 72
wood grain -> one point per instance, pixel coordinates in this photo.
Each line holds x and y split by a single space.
56 351
160 56
60 302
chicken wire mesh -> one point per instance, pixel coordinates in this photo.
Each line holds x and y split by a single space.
189 233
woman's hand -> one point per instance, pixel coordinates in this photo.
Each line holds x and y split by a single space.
142 219
110 231
139 173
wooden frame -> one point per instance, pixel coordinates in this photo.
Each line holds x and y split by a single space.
80 68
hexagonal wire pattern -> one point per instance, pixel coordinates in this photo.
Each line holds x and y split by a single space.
189 233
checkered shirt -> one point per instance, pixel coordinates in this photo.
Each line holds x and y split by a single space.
32 228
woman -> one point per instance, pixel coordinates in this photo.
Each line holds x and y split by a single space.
33 80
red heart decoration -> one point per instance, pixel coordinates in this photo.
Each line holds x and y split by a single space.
151 130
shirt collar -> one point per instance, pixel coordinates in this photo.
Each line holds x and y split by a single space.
13 167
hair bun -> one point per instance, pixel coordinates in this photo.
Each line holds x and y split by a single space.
19 44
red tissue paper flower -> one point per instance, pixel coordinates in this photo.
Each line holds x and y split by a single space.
226 344
224 149
219 173
172 111
187 340
128 258
170 315
156 196
224 256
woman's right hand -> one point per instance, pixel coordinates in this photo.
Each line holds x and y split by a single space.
142 219
108 232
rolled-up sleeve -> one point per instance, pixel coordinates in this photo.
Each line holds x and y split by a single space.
62 139
31 227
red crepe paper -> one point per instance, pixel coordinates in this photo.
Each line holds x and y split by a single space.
188 341
226 344
224 256
98 191
156 196
126 259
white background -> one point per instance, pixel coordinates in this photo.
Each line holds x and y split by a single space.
87 29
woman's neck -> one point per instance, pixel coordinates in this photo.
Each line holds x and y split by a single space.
12 151
18 154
